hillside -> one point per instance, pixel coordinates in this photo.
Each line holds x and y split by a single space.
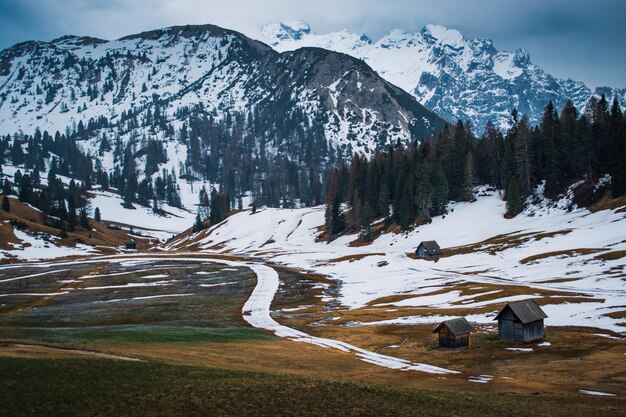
204 70
26 238
569 259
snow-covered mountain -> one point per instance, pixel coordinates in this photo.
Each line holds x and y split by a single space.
55 84
456 77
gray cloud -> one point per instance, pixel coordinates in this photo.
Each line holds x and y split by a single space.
570 38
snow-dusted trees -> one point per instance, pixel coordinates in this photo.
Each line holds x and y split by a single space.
562 149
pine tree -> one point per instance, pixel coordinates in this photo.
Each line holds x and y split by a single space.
423 193
17 154
25 194
367 217
63 230
549 132
6 204
468 178
513 200
523 156
383 197
6 187
96 215
570 142
616 161
335 222
198 225
72 220
84 220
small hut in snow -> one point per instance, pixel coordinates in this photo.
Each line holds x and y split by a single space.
428 249
521 321
454 334
131 244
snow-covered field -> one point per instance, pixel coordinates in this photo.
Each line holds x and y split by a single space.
161 227
576 272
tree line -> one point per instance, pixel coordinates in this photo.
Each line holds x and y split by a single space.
408 185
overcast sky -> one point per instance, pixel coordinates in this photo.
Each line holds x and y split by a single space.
580 39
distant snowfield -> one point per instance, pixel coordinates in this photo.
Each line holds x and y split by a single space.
594 287
153 225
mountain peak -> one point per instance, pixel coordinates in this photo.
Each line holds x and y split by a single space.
76 41
443 35
522 58
283 31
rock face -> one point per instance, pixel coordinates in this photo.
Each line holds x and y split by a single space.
211 70
458 78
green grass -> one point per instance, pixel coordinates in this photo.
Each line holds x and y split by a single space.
96 387
133 333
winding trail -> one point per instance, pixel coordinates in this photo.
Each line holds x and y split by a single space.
256 312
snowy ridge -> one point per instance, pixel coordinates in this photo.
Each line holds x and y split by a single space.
55 85
458 78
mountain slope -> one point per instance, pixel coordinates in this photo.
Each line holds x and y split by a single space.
55 84
574 272
458 78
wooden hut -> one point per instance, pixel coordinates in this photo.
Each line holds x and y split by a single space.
131 244
521 321
454 334
428 249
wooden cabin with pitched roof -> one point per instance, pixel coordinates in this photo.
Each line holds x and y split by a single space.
454 334
428 249
521 321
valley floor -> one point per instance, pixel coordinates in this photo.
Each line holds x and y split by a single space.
344 313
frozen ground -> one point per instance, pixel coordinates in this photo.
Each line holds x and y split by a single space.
575 254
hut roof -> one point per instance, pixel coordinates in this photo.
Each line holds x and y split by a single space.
527 311
456 326
431 246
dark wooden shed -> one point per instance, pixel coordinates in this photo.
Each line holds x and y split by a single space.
428 249
521 321
131 244
454 334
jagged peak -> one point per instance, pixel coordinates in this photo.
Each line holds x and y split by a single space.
522 57
287 30
443 35
398 38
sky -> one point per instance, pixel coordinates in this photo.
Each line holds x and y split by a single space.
579 39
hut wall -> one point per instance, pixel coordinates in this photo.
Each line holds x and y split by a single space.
506 325
533 331
447 340
517 331
421 252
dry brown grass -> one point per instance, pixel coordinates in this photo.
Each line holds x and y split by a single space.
500 243
353 258
610 203
611 256
570 253
576 360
